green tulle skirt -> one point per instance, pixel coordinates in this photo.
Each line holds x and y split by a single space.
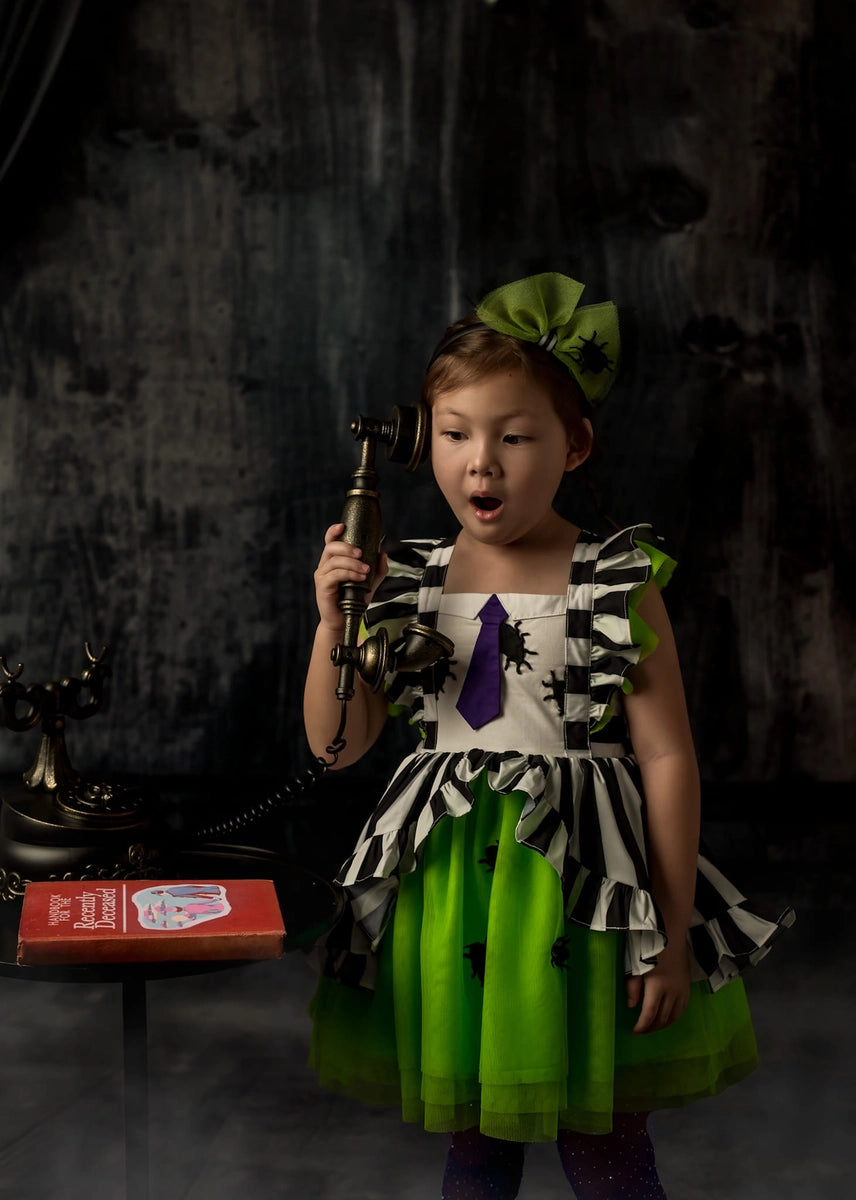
493 1010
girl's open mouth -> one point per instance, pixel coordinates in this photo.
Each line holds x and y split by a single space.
486 507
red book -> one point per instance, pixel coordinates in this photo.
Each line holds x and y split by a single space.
133 920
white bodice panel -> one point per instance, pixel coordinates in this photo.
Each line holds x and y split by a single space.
532 662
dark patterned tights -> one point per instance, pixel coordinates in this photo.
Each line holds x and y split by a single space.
610 1166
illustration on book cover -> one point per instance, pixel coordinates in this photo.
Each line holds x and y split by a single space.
178 905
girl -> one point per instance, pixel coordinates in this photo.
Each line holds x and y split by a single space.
533 948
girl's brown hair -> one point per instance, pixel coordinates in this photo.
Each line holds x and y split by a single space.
480 351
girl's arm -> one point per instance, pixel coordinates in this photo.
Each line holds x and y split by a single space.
339 563
662 742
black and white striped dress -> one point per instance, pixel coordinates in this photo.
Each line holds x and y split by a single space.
567 660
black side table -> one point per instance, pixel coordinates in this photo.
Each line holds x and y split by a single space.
309 906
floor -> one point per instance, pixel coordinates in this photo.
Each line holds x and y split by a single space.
235 1112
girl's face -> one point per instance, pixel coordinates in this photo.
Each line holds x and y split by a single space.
499 451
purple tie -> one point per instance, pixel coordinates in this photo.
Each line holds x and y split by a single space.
479 702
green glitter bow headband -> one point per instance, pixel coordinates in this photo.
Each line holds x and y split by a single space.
542 309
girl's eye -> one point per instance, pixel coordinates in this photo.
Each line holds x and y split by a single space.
515 439
452 435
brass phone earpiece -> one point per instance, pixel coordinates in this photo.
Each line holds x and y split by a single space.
406 438
405 434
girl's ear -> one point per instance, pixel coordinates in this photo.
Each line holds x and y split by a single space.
579 446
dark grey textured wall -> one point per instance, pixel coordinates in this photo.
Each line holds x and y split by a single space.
233 225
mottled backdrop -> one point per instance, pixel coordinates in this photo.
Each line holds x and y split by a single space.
233 225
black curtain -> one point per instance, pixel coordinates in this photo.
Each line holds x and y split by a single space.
33 36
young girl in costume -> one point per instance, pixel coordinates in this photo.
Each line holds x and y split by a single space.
533 949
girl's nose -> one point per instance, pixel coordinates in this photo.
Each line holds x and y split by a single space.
482 462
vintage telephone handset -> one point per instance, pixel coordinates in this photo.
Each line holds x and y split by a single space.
405 436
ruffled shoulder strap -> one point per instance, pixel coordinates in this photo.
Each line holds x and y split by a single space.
605 634
394 604
396 600
429 605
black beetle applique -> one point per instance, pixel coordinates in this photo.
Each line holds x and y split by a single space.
489 859
555 686
559 953
443 672
590 356
511 644
476 952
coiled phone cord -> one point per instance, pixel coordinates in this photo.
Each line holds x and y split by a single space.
291 794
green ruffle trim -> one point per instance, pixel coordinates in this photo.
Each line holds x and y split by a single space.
662 569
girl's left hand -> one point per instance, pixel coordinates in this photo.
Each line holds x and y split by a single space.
664 990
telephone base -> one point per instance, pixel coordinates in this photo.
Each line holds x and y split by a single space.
74 834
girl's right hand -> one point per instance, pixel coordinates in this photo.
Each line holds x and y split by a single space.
339 563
